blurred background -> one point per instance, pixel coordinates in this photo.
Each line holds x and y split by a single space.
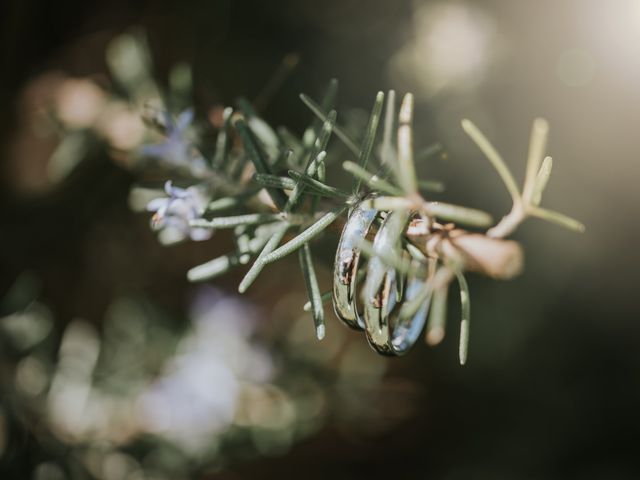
113 366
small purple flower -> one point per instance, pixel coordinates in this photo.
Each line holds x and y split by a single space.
177 150
173 213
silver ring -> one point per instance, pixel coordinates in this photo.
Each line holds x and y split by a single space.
408 330
347 263
386 332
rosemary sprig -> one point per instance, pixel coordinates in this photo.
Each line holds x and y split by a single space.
410 240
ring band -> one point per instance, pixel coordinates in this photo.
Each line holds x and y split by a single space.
408 330
386 332
347 263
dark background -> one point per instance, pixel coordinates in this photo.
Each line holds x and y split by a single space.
552 387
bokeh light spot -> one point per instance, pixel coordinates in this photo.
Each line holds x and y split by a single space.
575 68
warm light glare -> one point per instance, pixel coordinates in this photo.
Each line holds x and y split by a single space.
450 48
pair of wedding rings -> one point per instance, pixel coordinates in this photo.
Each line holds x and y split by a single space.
375 308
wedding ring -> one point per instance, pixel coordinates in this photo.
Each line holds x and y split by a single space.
347 263
407 331
386 332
